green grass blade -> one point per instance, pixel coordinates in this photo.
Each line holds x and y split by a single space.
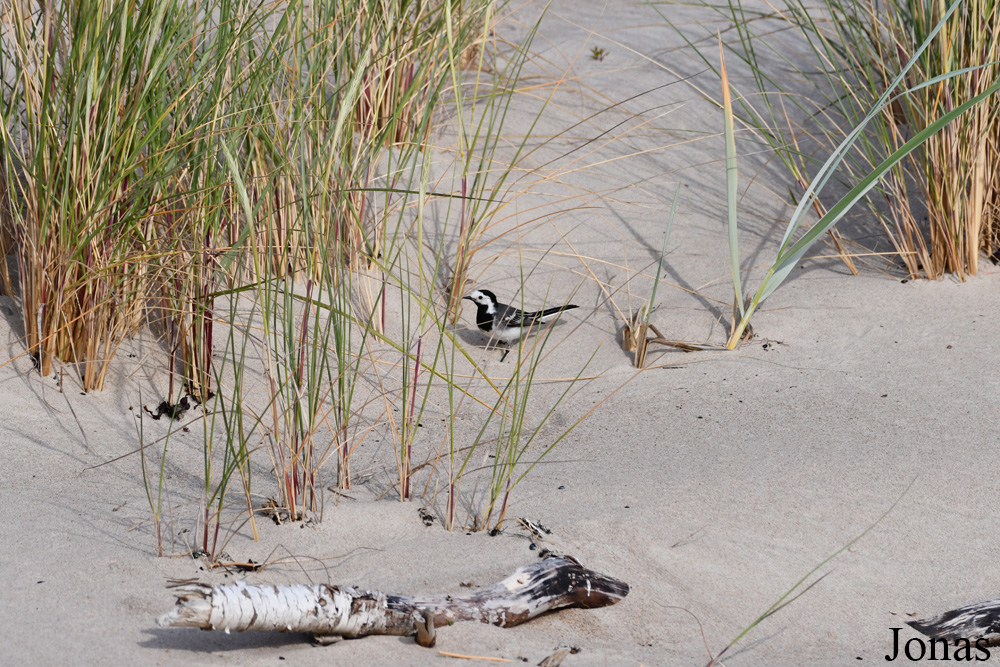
663 251
784 599
732 181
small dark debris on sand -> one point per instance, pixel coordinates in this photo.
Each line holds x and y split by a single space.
176 410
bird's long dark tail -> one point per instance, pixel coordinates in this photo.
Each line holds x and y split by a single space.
543 315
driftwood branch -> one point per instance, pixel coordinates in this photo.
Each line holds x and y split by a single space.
343 611
972 622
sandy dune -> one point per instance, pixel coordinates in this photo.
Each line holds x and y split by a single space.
710 482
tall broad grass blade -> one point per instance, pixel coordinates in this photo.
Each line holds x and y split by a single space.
732 180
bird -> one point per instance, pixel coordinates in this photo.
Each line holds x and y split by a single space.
506 323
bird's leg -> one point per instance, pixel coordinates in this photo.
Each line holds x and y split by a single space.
506 351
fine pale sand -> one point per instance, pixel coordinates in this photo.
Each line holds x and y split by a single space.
710 483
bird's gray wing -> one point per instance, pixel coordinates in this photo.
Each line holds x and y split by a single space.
508 316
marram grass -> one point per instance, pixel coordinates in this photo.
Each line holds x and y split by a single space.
821 70
165 161
943 74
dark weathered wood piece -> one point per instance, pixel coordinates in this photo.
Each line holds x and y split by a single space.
635 338
343 611
970 622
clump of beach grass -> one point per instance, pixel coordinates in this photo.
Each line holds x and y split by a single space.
882 76
289 203
861 133
166 162
954 178
252 180
87 125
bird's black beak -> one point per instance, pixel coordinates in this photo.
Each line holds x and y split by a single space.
468 297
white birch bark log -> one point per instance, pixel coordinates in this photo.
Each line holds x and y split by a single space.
344 611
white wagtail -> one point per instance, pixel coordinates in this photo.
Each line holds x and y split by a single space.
506 323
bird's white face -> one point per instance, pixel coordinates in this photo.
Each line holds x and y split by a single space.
479 298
